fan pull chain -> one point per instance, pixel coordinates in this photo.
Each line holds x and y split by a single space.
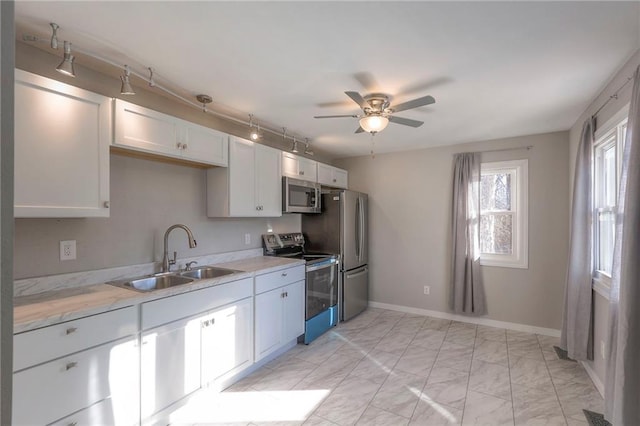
373 155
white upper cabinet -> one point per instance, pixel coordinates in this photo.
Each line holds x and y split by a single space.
250 186
332 176
144 130
298 167
62 136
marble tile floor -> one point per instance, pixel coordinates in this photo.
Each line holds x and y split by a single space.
391 368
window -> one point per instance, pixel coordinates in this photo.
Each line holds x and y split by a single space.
607 159
503 214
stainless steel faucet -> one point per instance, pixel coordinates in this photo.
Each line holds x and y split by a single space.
166 262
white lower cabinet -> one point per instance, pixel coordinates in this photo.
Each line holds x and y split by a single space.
227 341
279 310
47 392
170 364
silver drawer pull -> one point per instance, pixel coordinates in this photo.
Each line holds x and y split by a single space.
284 274
71 365
71 330
73 424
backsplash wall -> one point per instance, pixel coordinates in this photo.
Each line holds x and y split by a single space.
146 198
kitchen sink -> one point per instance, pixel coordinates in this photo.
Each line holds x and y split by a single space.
172 279
205 272
153 282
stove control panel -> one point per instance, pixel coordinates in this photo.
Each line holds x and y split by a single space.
273 242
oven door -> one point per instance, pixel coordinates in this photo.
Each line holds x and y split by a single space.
322 286
299 196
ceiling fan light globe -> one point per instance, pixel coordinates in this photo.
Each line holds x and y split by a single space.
374 123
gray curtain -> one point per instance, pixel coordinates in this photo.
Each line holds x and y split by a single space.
467 289
577 316
622 388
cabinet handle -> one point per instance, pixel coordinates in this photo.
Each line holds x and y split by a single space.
107 204
184 146
284 274
73 424
71 365
282 295
71 330
301 173
179 145
334 181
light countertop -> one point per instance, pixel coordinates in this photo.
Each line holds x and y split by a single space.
52 307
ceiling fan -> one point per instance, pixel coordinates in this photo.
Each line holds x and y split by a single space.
378 112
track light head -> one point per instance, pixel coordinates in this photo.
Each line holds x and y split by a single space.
307 149
66 66
254 132
294 148
54 35
126 88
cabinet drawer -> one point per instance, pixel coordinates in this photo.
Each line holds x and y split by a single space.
51 391
100 414
162 311
44 344
272 280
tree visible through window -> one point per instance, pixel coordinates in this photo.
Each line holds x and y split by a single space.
503 218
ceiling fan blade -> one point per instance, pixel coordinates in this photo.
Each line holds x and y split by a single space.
368 81
357 98
336 116
359 130
406 121
425 100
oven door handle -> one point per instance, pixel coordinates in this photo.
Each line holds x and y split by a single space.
323 265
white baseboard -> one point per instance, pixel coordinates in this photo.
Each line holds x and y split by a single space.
473 320
594 377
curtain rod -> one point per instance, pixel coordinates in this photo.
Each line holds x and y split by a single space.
528 147
612 97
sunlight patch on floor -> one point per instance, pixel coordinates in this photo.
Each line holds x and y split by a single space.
267 406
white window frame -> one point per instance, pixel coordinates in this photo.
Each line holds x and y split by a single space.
519 258
608 134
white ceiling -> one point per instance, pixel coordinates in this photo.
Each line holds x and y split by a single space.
496 69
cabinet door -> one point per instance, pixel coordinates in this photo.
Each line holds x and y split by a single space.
325 174
307 169
55 389
268 181
145 130
170 364
204 145
290 165
227 336
268 322
62 136
293 307
242 178
340 178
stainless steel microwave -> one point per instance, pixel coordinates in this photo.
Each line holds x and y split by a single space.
300 196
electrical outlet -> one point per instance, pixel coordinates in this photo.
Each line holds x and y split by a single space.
247 239
602 348
427 290
68 250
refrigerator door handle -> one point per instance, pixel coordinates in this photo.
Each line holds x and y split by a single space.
358 272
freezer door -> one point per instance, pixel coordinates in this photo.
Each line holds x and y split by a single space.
355 288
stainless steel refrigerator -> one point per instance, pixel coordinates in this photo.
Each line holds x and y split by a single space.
342 229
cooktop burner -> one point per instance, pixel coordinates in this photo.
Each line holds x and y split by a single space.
291 245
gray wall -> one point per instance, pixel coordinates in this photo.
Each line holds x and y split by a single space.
146 198
601 304
410 207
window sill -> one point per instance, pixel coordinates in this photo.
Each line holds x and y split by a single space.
601 287
504 264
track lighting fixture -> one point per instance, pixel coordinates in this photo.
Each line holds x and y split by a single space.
307 149
54 35
66 66
204 100
254 132
126 88
152 83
